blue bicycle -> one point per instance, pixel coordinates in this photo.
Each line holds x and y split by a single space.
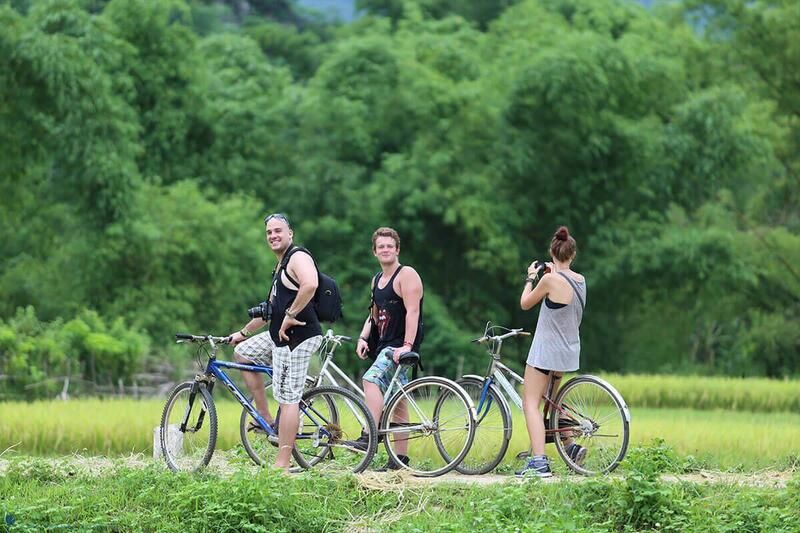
332 419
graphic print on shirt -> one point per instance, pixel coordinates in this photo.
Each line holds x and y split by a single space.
384 319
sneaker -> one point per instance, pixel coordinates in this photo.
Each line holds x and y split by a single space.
537 466
392 465
577 453
360 444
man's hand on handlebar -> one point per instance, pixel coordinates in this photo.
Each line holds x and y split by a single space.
235 338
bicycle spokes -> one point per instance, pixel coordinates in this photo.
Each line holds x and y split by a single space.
186 441
590 414
430 422
334 419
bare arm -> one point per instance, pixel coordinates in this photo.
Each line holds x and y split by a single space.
249 328
411 293
302 268
533 294
361 344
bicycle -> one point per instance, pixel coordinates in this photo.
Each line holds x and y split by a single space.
331 418
433 416
587 409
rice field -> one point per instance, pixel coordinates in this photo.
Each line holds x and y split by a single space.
697 392
717 439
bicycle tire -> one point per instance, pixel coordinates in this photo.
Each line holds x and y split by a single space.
261 448
332 420
601 423
427 458
493 428
192 450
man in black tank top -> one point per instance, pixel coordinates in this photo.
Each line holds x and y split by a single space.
293 337
395 317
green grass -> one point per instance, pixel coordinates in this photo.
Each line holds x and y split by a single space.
715 438
35 495
726 440
96 427
698 392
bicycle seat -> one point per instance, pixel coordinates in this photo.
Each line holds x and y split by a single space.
408 358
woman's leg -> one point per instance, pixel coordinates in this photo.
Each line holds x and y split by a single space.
556 384
536 384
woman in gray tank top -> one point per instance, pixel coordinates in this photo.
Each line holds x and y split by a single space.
556 343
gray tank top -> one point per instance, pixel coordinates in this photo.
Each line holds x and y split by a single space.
557 343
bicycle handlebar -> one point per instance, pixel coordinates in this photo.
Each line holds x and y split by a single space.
512 333
336 338
199 338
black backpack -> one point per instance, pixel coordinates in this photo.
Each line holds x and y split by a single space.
327 298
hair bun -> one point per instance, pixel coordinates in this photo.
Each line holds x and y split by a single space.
562 233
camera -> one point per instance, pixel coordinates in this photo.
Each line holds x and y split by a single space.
541 268
262 310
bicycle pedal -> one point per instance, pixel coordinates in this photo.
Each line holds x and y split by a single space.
524 455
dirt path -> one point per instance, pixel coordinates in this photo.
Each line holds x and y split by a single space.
73 465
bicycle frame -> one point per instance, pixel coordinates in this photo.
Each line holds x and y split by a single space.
215 367
329 367
214 371
503 376
325 373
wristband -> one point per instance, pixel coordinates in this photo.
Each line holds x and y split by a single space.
363 339
532 281
244 332
290 314
409 344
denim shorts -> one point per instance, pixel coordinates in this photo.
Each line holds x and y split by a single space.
382 370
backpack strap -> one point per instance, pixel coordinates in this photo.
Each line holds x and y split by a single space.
574 288
281 267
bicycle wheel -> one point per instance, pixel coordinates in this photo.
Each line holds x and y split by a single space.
188 427
591 413
261 447
431 422
493 427
332 423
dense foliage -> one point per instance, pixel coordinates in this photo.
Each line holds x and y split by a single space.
141 144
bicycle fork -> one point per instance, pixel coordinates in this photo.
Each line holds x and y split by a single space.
190 403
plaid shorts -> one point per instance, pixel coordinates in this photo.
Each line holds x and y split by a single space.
257 349
382 370
290 368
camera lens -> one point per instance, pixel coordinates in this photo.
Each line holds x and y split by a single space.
262 310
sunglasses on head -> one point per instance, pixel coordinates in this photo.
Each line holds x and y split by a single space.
279 216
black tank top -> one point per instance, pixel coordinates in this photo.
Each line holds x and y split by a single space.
392 315
282 298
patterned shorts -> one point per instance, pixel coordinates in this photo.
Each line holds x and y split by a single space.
382 370
289 367
257 349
